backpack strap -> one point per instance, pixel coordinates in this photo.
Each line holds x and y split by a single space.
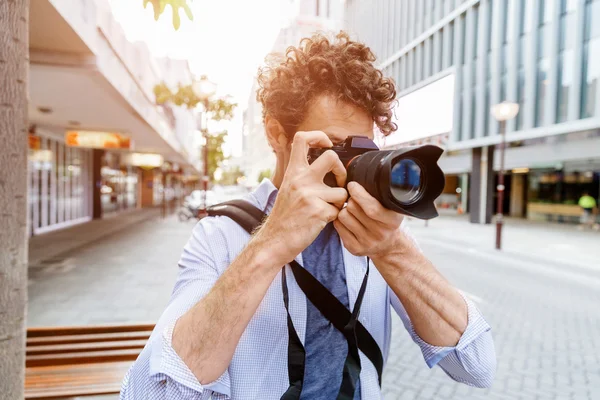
249 217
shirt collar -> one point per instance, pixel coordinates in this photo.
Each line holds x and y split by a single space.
265 195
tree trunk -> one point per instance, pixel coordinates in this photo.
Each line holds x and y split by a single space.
14 62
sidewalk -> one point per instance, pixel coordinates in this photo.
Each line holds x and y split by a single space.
557 244
45 248
125 276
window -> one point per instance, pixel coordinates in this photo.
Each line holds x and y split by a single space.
57 178
458 121
402 78
473 113
490 20
591 60
520 97
450 45
505 28
410 68
546 11
461 32
486 110
522 50
419 63
427 57
592 14
526 16
541 42
503 88
418 17
566 58
436 53
475 29
567 31
565 76
542 85
567 6
591 75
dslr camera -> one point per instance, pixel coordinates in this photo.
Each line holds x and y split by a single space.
406 180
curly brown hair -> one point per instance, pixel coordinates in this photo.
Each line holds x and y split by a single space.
341 68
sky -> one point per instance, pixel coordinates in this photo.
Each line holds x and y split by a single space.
227 41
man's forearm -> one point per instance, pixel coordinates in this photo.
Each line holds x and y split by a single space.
206 336
436 309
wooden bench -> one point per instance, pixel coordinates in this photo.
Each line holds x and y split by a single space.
81 361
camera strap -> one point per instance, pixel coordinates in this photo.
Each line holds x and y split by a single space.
358 337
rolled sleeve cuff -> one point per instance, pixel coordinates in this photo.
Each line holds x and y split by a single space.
476 326
169 364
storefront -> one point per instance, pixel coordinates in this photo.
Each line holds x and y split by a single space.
120 184
59 180
553 194
544 177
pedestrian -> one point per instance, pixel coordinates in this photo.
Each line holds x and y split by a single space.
588 216
239 327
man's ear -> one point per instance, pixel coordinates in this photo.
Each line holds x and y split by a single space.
276 135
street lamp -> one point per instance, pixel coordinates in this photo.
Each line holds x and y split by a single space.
204 90
502 112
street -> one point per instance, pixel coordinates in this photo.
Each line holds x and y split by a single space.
543 310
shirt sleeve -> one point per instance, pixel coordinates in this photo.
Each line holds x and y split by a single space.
159 373
473 360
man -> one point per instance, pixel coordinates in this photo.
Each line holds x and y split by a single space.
224 333
588 218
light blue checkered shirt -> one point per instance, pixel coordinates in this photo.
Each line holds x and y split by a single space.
258 369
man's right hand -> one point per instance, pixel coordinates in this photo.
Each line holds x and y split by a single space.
304 203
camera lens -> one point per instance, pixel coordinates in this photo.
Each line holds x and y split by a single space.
405 180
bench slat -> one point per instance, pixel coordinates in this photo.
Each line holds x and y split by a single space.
69 381
82 357
86 330
98 337
80 347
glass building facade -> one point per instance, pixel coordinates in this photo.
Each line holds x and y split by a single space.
542 54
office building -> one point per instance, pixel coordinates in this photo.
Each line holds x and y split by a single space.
452 60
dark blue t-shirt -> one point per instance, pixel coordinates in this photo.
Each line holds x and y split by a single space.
326 347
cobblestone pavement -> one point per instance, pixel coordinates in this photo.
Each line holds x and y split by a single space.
545 320
544 315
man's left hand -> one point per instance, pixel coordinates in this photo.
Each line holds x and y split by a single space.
366 227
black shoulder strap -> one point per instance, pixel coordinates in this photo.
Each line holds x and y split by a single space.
249 217
245 214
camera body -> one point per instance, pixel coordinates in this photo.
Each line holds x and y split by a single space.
405 180
347 151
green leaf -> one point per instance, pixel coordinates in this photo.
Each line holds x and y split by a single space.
176 19
176 5
188 12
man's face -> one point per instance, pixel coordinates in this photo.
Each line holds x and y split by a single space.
337 119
